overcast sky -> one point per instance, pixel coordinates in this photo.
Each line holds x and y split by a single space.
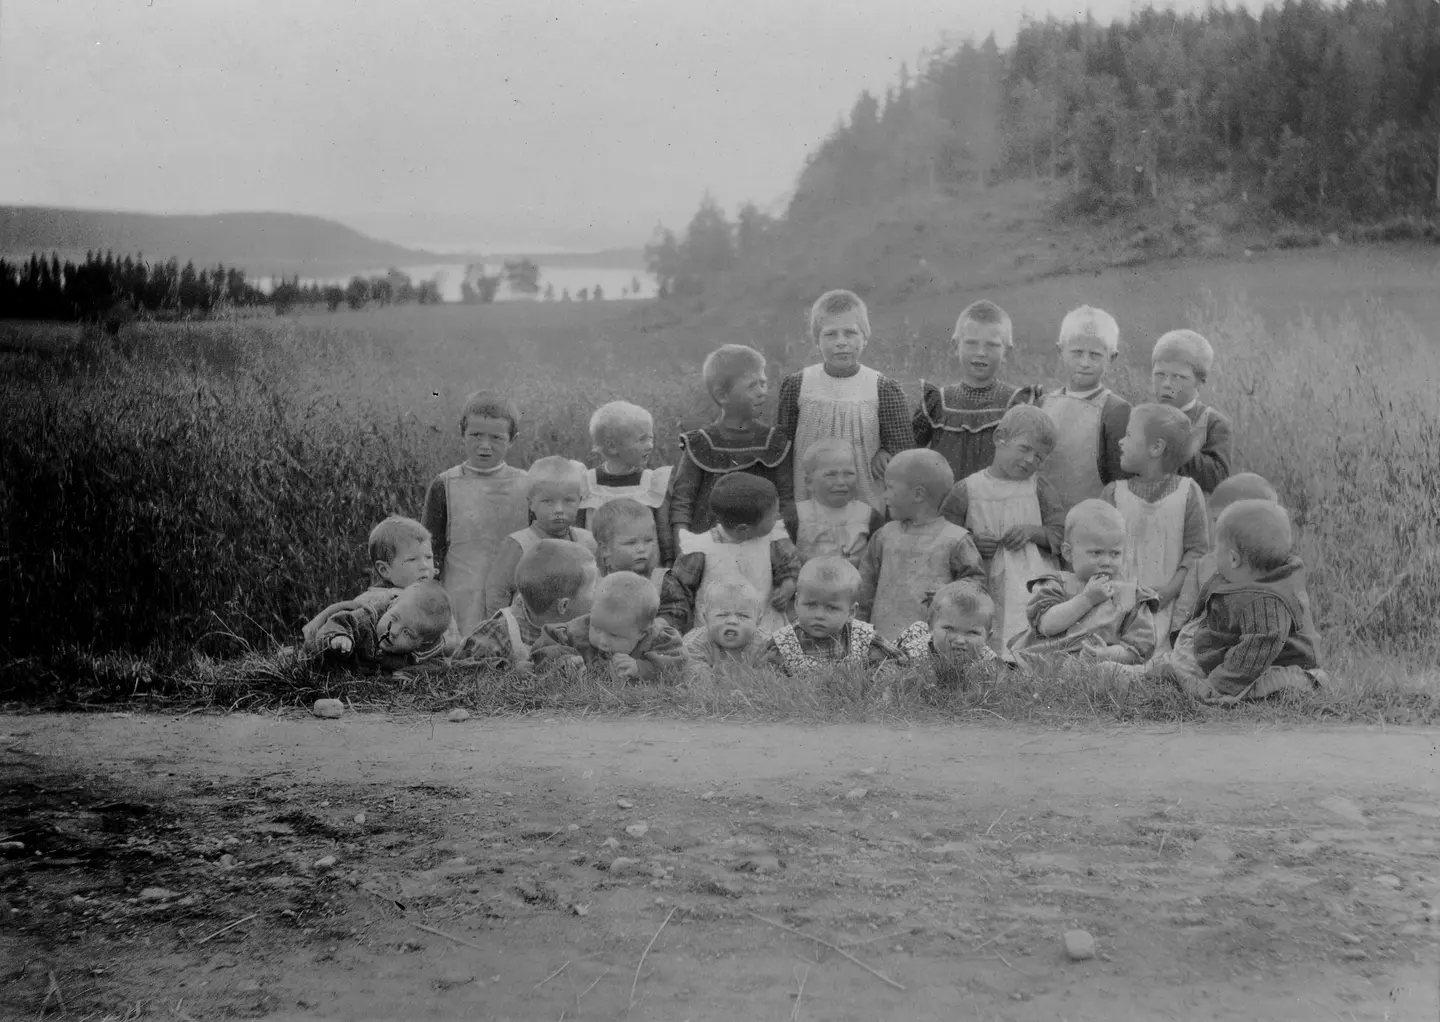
539 123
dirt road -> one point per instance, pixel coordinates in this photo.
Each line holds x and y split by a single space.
1222 874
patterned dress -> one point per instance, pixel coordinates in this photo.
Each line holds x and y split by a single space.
960 421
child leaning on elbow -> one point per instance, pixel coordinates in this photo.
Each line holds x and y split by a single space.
407 627
400 555
621 633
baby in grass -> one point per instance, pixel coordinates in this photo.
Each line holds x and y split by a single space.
731 632
826 633
958 627
405 627
621 632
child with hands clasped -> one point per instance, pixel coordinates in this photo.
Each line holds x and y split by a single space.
620 632
842 399
554 487
623 434
1093 610
826 633
1013 514
832 522
1179 366
918 551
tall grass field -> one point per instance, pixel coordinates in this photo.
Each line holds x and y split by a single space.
212 488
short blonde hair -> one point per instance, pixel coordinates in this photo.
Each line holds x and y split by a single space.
728 363
1167 423
615 421
964 597
727 586
1088 321
1185 346
628 591
1090 514
554 469
837 303
836 572
826 446
1241 486
385 538
927 469
985 313
1258 530
1026 420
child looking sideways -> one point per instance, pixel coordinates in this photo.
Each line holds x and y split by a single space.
1091 611
841 399
554 486
737 441
730 632
959 421
555 580
406 627
919 551
1179 366
623 435
621 632
1013 514
471 508
1241 486
832 522
746 543
1166 531
1089 418
958 626
826 633
400 556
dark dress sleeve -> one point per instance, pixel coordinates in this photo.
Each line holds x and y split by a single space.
897 432
1211 466
436 519
1052 514
1114 421
927 413
787 414
684 485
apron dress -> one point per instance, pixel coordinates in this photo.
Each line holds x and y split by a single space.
840 408
1154 544
915 563
833 531
482 508
995 506
1073 468
650 491
749 561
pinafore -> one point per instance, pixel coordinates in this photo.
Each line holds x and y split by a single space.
749 560
1073 467
833 531
995 506
915 563
1154 544
843 408
482 508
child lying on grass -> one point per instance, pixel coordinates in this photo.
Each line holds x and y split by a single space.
385 632
621 632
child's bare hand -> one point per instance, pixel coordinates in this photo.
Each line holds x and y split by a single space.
783 593
987 545
572 664
1168 594
879 464
341 644
624 666
1099 589
1016 537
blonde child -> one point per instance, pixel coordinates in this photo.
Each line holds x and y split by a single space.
918 551
471 508
959 421
621 632
826 633
626 540
832 522
1092 611
554 486
730 632
958 626
555 581
747 542
1013 514
839 398
1166 530
623 434
1089 418
406 627
1179 366
737 441
400 555
1241 486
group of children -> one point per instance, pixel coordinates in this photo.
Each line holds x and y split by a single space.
997 523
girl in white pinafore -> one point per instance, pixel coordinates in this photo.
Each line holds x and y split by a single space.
752 560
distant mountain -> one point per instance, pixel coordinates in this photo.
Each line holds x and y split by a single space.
259 243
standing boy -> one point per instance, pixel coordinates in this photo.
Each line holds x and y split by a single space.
1179 367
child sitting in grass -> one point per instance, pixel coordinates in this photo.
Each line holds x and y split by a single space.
1013 514
1089 418
400 555
840 399
918 551
405 627
554 487
555 580
1180 365
1166 531
621 632
1241 486
1091 611
623 434
958 627
730 633
832 521
748 542
737 441
826 633
471 508
959 422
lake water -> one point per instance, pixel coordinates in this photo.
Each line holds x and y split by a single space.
614 283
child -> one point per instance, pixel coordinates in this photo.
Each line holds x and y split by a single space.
747 543
1242 486
406 627
1179 365
737 441
917 552
841 399
400 554
471 508
831 523
958 626
1013 514
1089 418
556 581
826 634
1091 611
959 421
626 540
621 630
1165 524
554 486
624 436
731 633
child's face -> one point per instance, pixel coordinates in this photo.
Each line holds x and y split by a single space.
486 442
396 631
823 611
981 348
554 506
1019 457
1173 383
745 400
833 479
904 499
953 632
841 338
1135 452
633 547
1085 358
614 629
632 450
731 621
413 562
1095 550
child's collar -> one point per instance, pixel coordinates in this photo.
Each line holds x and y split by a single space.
1193 402
472 470
1083 394
841 374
